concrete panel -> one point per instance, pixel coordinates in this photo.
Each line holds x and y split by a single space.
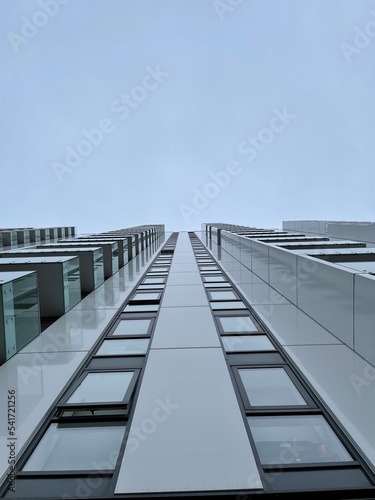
198 440
178 296
185 327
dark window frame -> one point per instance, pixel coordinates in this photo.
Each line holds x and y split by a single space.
135 335
280 409
250 335
233 313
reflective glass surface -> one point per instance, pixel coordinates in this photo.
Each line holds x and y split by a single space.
26 310
296 439
213 279
146 296
72 280
270 387
149 281
151 287
235 304
123 346
223 295
102 388
132 327
141 308
247 343
77 447
233 324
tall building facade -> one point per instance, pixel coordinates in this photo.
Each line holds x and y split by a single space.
232 361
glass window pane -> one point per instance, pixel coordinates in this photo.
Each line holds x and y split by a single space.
141 308
146 296
217 285
236 304
213 279
158 269
155 286
223 295
77 447
132 327
208 268
296 439
270 387
102 388
240 324
124 346
247 343
150 281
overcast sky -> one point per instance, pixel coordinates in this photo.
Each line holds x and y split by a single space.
116 113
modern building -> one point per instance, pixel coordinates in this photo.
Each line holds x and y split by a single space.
230 361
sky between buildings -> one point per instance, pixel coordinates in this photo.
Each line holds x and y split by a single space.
117 113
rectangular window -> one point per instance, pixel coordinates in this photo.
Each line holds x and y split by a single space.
141 308
217 285
270 387
77 447
209 268
237 324
235 304
250 343
156 280
140 296
298 439
222 295
123 347
102 387
133 327
214 279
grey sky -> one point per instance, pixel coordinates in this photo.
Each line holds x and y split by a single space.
220 72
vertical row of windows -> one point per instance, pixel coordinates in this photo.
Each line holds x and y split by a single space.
86 430
291 434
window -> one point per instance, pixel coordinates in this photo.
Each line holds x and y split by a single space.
214 279
123 347
77 447
235 304
237 324
291 439
270 387
133 327
145 296
102 387
157 286
222 295
209 268
141 308
159 269
242 343
156 280
217 285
